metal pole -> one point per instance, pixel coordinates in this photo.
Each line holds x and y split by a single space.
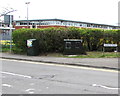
10 33
27 13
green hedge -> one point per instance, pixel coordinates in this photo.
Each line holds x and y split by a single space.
51 39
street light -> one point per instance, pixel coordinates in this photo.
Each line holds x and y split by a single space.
27 3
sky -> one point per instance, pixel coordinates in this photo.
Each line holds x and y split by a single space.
94 11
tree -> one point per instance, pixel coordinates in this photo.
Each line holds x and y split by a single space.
6 11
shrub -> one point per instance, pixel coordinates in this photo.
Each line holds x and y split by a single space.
93 38
52 39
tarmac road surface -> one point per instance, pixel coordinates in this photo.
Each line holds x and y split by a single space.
26 77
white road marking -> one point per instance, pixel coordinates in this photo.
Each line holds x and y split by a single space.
6 85
102 86
30 91
70 66
9 73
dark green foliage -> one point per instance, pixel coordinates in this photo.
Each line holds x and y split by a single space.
52 39
93 38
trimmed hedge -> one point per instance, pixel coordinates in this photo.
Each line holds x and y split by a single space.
51 39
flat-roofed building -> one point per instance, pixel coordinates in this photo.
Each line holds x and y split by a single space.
44 23
5 31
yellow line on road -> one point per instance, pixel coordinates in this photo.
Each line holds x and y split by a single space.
70 66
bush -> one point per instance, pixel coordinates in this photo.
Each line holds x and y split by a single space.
52 39
93 39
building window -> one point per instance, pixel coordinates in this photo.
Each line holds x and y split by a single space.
18 23
88 25
80 24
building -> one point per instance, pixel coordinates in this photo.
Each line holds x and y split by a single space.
44 23
5 31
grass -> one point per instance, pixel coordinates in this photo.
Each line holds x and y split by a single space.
98 55
89 55
5 48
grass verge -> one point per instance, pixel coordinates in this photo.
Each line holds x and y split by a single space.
89 55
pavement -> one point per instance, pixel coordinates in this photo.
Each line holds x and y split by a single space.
107 63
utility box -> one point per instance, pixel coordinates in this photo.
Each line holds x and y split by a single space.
73 47
32 47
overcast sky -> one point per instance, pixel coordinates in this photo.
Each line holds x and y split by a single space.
94 11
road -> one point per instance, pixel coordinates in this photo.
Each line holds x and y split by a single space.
25 77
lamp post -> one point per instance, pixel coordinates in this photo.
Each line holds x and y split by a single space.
119 13
11 33
27 3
